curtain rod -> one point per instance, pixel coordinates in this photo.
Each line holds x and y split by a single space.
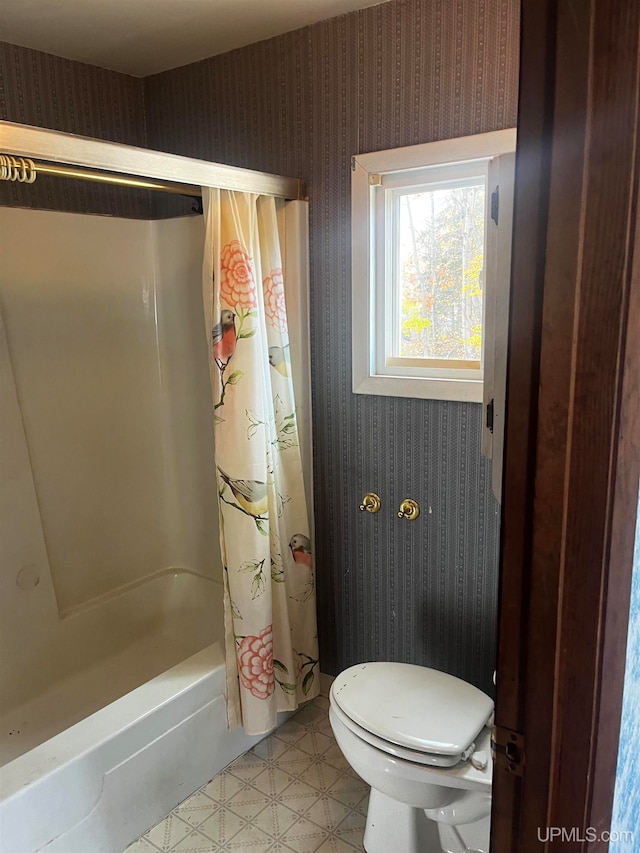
25 170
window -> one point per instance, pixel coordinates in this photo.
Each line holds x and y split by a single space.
429 249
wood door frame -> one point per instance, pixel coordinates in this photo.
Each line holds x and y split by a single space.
572 449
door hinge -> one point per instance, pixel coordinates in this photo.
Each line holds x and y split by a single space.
495 204
490 415
507 750
353 164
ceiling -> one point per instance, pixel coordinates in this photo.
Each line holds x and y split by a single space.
142 37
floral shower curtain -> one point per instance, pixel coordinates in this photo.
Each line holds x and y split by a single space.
270 621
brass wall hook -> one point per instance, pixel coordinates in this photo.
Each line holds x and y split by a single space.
370 502
409 509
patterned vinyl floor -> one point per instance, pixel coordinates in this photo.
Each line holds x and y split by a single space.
292 793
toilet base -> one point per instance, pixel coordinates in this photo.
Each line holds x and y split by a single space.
394 827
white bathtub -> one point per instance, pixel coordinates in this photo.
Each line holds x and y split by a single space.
104 753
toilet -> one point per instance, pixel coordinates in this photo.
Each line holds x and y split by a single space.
421 739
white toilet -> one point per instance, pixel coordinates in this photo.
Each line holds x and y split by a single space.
420 738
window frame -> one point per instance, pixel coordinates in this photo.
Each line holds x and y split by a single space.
394 170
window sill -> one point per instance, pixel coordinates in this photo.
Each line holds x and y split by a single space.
458 390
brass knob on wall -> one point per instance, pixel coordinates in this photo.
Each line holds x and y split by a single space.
370 503
409 509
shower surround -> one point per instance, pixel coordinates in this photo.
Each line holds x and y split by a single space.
111 589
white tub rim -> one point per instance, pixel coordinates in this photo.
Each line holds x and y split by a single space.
75 742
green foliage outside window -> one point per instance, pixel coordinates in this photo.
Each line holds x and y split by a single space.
441 262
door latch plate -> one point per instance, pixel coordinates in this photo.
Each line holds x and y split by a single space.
507 750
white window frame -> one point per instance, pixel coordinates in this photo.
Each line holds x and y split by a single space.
372 175
496 327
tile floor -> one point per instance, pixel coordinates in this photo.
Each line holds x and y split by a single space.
292 793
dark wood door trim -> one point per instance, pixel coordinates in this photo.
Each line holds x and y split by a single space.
571 456
597 296
616 593
537 61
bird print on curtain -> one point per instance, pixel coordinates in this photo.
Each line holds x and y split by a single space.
223 339
270 622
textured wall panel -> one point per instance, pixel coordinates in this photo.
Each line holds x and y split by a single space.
302 104
47 91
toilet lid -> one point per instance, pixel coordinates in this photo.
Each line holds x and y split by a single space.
413 706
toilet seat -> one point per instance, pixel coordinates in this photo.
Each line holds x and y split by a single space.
411 712
413 755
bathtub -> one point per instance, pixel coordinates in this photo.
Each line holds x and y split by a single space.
97 757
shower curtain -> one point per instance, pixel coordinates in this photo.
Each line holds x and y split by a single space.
270 621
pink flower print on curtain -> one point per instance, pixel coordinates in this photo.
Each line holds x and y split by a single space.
237 283
274 305
255 663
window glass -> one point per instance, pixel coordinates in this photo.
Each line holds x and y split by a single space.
439 242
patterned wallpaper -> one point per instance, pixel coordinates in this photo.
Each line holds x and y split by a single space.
302 104
47 91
